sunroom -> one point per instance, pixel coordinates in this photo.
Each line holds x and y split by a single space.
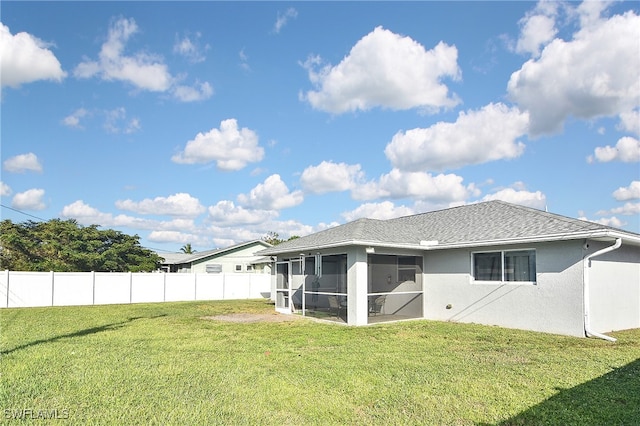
355 287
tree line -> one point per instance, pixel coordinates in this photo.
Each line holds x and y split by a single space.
65 246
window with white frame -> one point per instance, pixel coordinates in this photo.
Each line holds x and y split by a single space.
238 268
507 266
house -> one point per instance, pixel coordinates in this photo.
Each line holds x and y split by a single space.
491 263
239 258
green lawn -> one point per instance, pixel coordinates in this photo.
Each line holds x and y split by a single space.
164 364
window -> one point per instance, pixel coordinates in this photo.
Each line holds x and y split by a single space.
510 266
238 268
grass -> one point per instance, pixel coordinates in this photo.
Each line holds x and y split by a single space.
164 364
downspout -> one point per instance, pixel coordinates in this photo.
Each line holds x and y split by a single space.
586 264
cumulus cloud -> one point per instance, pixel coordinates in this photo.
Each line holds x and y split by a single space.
630 122
283 18
5 190
231 148
116 121
518 195
537 28
227 213
330 177
272 194
23 163
627 150
31 199
610 221
387 70
416 185
145 71
180 204
177 237
382 211
631 192
476 137
590 76
24 59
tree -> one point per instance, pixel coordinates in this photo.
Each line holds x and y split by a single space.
274 239
186 249
66 246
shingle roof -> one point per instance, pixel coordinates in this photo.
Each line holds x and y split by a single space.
474 223
179 258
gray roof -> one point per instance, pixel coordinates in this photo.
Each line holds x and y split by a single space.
180 258
485 223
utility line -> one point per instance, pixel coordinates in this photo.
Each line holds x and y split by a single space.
21 212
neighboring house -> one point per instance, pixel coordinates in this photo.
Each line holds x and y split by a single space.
240 258
491 263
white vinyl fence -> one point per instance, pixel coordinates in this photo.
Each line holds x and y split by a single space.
30 289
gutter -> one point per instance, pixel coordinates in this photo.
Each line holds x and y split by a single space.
586 263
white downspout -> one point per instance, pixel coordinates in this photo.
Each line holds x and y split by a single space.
586 264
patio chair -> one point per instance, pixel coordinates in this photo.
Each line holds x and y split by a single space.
377 305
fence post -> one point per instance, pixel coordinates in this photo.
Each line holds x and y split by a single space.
130 287
93 285
53 280
7 276
195 286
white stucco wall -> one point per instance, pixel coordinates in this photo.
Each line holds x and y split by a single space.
553 304
614 281
244 256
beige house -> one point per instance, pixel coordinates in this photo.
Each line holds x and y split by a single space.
239 258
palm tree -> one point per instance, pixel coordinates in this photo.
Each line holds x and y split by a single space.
186 249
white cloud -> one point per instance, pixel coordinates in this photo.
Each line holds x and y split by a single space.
226 213
272 194
73 120
416 185
143 70
630 121
190 48
23 163
116 121
611 221
387 70
5 190
537 28
476 137
197 92
631 192
283 18
25 59
29 200
627 210
626 150
382 211
178 237
536 200
180 204
595 74
231 148
330 177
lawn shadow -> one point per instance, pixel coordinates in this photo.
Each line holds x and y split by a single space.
611 399
79 333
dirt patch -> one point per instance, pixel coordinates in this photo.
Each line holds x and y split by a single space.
248 318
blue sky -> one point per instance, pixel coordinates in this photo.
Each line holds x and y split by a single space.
212 123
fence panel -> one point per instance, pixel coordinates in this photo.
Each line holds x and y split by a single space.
210 287
180 287
147 288
112 288
29 289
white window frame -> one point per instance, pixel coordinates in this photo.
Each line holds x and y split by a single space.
502 267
